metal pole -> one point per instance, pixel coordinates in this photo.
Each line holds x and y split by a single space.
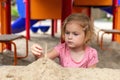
27 2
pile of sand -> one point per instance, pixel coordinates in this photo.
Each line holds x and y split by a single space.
46 69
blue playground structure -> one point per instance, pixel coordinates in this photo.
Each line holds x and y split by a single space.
108 9
19 24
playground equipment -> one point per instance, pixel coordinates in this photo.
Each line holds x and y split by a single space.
9 39
19 25
5 20
5 28
20 22
93 3
42 28
105 31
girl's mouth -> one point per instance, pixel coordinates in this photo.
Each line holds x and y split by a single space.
69 42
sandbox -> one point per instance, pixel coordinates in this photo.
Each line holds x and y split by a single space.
46 69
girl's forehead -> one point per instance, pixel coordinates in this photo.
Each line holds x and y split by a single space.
73 27
75 22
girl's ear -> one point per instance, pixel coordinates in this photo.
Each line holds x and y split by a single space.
63 33
62 36
86 40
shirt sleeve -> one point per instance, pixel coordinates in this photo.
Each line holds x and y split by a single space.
93 57
58 48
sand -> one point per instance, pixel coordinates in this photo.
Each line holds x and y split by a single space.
46 69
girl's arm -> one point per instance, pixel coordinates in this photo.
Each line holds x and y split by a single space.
52 54
38 52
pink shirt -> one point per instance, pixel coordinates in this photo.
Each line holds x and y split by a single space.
90 57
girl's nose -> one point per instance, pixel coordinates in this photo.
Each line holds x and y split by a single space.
70 36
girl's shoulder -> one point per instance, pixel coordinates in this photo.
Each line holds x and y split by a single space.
91 50
60 48
92 55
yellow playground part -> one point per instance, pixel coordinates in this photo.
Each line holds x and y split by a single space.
45 9
116 24
4 20
93 2
49 9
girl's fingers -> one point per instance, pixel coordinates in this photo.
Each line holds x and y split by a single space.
39 50
36 50
37 46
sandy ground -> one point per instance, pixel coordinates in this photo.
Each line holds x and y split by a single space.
109 58
46 69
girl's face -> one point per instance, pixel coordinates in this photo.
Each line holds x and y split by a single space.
74 35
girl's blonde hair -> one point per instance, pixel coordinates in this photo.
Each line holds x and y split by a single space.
85 22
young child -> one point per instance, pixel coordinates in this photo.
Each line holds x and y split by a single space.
74 52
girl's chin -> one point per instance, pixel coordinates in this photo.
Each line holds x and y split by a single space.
71 46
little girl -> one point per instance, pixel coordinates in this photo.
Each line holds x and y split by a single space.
74 52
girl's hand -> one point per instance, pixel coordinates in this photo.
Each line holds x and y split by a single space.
37 50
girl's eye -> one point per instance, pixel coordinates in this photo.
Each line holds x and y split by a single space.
67 32
76 34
